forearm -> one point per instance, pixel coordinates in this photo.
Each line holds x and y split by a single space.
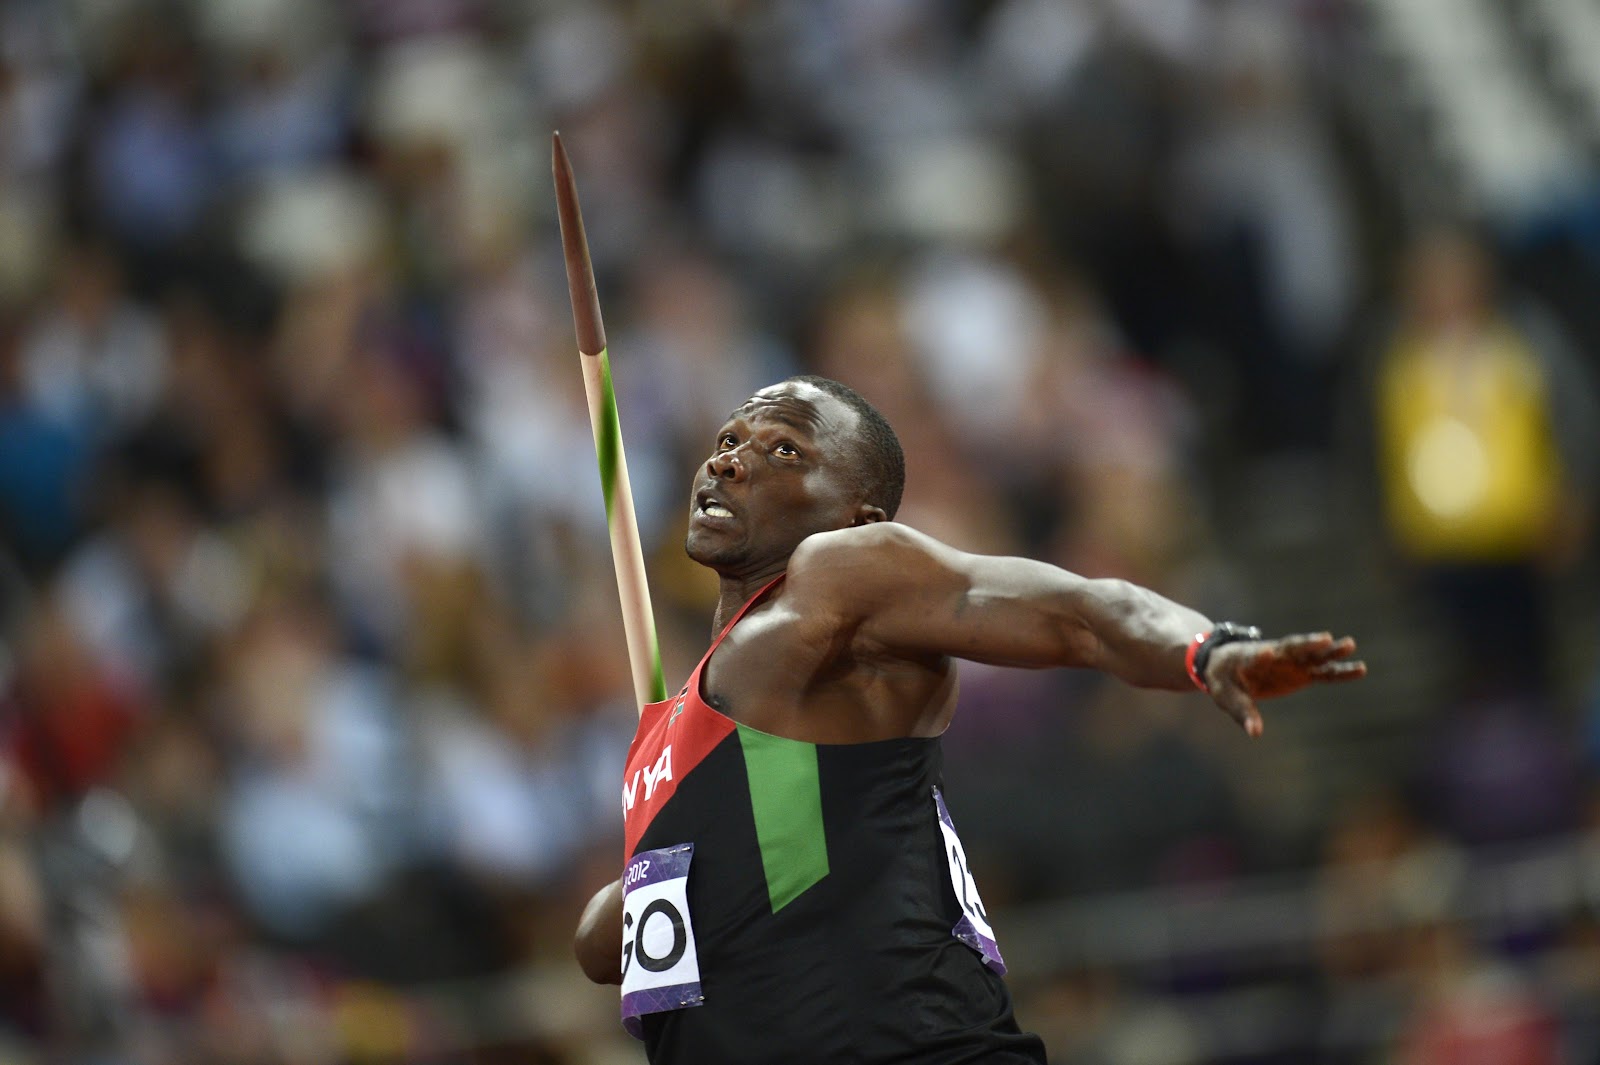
598 942
1141 636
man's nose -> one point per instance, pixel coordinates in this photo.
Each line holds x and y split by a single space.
727 465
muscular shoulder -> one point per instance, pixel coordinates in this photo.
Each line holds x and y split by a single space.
852 570
863 546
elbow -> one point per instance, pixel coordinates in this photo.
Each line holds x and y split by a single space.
598 942
1115 619
599 966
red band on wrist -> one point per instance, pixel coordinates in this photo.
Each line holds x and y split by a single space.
1188 660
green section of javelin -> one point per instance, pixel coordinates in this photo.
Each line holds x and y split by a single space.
608 451
658 681
786 798
608 436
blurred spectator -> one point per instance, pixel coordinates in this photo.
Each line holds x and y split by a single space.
314 812
96 361
38 93
151 591
284 101
1487 453
74 715
1473 1009
521 777
976 326
527 416
40 90
402 502
1264 200
1501 769
1117 433
43 460
152 163
1359 897
24 946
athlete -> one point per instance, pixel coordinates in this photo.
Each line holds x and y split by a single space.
795 890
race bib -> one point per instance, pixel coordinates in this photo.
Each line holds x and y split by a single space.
660 969
973 928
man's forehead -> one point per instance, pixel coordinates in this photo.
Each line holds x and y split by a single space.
794 400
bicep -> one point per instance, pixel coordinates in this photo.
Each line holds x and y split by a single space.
906 593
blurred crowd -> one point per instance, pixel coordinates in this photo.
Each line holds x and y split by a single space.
313 694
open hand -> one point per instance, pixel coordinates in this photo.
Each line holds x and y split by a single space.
1238 674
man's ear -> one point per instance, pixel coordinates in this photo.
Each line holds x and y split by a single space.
868 514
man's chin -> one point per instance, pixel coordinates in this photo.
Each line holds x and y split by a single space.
713 556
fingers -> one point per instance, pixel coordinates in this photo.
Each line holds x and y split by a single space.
1322 657
1338 672
1311 648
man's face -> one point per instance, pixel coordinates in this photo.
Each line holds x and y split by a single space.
780 469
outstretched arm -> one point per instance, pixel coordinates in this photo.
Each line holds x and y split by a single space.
896 590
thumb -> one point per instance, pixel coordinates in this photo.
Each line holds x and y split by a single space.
1239 706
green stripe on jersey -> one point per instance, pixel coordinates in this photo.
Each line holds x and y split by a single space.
786 799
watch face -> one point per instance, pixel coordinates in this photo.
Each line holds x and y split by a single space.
1225 632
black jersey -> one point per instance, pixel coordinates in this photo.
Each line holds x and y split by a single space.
790 902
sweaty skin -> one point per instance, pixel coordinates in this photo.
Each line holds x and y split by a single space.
858 643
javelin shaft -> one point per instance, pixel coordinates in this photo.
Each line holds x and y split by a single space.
627 553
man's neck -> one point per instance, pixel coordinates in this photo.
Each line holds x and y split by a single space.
737 589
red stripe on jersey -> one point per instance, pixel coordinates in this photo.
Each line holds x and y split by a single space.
673 738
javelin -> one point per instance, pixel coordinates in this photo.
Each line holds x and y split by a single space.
638 620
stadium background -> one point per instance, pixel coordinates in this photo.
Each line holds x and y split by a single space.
312 702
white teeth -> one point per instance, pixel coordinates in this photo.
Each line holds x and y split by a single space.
716 510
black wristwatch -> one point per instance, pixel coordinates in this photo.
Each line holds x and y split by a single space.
1204 643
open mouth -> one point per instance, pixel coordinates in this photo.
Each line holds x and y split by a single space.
710 508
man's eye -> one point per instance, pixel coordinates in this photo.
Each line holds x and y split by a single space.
726 441
787 450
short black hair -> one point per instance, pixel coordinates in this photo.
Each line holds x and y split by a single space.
882 464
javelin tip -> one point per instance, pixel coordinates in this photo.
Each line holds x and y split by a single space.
575 250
